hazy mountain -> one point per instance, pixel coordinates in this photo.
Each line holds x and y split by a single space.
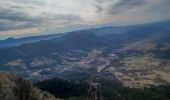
10 42
136 56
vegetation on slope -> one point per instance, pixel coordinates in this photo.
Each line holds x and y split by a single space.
106 90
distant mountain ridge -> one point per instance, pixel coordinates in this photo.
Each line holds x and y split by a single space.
130 55
11 42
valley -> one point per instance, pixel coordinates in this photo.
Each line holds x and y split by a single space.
135 59
84 49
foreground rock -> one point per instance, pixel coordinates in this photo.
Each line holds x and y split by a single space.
13 87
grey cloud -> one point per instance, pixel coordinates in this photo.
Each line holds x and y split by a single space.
162 8
134 11
17 17
148 9
124 5
130 2
18 14
99 8
32 2
10 19
68 17
13 15
118 7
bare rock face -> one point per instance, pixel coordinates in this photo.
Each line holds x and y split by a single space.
37 94
13 87
94 91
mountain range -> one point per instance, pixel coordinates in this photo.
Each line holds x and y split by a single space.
135 56
11 42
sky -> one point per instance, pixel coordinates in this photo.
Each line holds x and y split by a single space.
33 17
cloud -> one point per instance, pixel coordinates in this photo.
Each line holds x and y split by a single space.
57 15
130 2
139 11
18 32
21 16
124 5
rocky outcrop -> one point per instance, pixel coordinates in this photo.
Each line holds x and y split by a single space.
94 91
13 87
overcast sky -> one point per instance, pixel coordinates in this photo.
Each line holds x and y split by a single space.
33 17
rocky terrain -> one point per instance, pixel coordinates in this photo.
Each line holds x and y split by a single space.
13 87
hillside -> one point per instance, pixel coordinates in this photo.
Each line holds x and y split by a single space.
101 89
13 87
